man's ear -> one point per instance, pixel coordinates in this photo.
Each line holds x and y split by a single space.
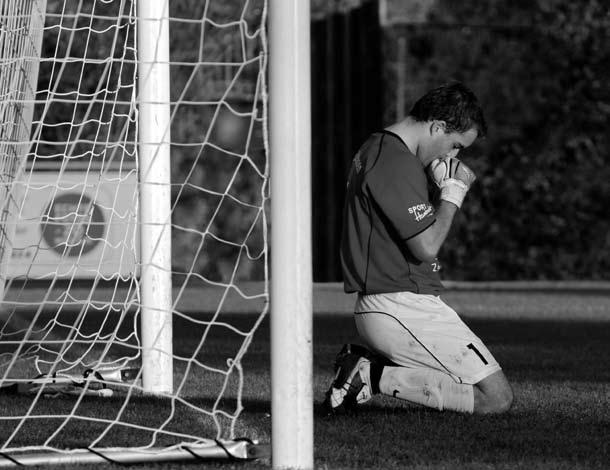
438 126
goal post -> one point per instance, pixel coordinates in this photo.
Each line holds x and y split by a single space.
143 168
291 273
146 165
155 194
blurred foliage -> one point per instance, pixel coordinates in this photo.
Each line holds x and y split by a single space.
539 209
324 8
218 156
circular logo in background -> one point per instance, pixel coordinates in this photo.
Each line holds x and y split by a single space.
73 225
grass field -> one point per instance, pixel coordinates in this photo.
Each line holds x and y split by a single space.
554 347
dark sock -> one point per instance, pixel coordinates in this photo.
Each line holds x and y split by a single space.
375 374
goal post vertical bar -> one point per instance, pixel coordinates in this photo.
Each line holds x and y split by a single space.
155 194
291 271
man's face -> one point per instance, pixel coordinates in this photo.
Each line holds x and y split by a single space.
441 144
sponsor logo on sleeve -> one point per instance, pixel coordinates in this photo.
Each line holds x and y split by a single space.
420 211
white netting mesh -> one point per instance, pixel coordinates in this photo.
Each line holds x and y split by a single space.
70 220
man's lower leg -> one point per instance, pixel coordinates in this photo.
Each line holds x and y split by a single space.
427 387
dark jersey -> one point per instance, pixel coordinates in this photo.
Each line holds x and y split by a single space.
386 203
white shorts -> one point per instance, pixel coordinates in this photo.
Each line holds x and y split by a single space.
414 330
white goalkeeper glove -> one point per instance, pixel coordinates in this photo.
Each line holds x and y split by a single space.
453 177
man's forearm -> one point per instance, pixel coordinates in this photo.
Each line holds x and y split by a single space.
426 245
445 213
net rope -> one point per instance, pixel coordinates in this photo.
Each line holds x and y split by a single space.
69 256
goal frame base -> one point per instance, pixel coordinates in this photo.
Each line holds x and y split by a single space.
237 450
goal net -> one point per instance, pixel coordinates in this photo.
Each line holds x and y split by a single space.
134 180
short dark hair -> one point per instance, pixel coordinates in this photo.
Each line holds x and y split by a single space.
453 103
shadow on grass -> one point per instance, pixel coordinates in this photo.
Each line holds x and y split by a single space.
386 437
140 421
560 418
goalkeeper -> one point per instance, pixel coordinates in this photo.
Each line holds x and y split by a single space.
417 347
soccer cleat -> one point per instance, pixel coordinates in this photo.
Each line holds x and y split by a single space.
351 385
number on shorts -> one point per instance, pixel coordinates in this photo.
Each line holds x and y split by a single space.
478 353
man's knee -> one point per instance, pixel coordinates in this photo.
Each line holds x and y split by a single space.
493 395
500 402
